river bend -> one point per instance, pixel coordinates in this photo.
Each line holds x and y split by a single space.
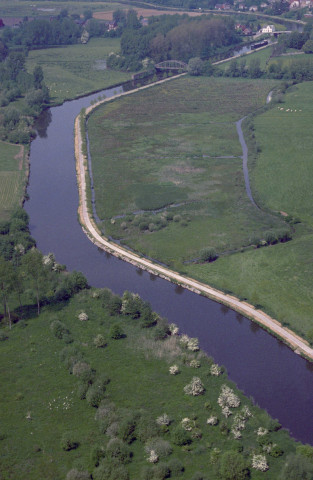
262 366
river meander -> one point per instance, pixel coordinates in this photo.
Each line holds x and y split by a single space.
262 366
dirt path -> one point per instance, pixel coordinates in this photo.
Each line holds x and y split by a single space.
298 344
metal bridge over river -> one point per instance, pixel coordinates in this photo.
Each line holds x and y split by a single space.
175 65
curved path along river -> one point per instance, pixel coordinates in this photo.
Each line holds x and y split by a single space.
261 365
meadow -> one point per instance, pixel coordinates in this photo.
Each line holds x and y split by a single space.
163 149
12 177
76 70
60 362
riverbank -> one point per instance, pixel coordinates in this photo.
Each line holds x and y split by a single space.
299 345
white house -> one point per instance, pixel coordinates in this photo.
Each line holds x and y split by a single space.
268 29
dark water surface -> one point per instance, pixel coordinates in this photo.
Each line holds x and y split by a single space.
262 366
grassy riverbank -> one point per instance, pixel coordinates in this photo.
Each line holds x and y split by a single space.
13 159
34 419
76 70
166 149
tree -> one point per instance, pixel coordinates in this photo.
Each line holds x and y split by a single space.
87 14
255 68
195 66
297 467
33 267
308 46
38 77
7 282
232 467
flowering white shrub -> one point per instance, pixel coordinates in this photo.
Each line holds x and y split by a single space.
163 419
195 387
212 420
259 463
173 328
215 370
153 457
83 317
188 424
195 363
245 413
226 411
174 370
20 248
193 344
184 339
95 294
48 260
228 398
261 431
236 433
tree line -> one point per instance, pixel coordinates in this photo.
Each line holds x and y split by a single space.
28 276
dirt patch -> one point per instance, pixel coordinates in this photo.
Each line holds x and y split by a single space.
20 156
144 12
185 169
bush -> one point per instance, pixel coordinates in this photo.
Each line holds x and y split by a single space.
126 431
180 436
161 471
68 443
99 341
270 238
118 451
176 467
82 390
96 455
116 331
94 395
58 329
114 306
208 255
161 447
146 428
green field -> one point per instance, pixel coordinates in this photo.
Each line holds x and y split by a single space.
12 177
17 8
73 70
164 148
40 401
262 55
279 278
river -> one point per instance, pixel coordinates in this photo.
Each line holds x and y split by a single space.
262 366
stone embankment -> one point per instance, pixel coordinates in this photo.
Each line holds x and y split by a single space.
298 344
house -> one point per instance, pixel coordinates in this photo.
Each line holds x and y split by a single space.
112 26
268 29
241 6
253 8
144 22
294 4
222 6
264 5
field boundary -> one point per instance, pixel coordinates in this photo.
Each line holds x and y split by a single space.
295 342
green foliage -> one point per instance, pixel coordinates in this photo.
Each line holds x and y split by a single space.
58 329
68 442
180 436
232 466
118 452
297 467
99 341
94 395
208 255
116 331
75 474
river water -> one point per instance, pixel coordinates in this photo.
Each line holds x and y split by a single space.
262 366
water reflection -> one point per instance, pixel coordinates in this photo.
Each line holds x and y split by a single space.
224 309
43 122
179 290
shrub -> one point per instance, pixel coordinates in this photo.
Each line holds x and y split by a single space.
176 467
161 471
114 306
116 331
82 390
208 255
68 443
161 447
270 238
82 316
195 387
96 455
107 471
126 431
75 474
58 329
83 371
94 395
99 341
118 451
180 436
163 419
146 428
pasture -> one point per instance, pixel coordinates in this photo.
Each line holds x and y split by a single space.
76 70
12 177
164 148
42 401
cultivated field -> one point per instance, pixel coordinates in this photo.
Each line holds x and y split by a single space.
76 70
12 177
144 12
179 152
